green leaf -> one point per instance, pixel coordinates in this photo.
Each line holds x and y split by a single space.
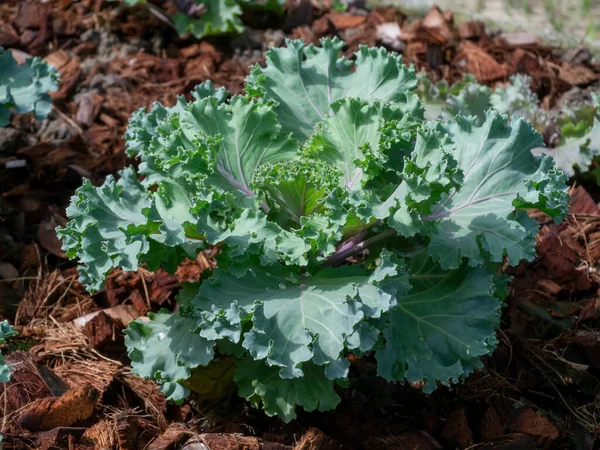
97 232
269 5
439 331
354 139
166 349
247 136
576 152
500 175
515 97
296 189
6 331
220 16
296 318
260 383
24 88
473 100
111 226
306 80
430 172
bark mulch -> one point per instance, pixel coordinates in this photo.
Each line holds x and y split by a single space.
71 385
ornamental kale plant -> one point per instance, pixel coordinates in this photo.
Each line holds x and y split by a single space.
575 127
211 17
346 223
24 88
6 331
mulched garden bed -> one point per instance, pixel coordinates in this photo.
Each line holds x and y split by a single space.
71 386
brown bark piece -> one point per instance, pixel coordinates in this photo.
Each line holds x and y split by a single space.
101 330
154 401
101 434
29 15
63 437
29 382
457 429
315 439
46 234
576 75
64 411
548 287
526 420
519 39
70 74
222 441
89 107
169 438
515 441
590 310
98 373
346 21
473 29
439 25
58 59
8 35
479 62
582 202
491 424
409 440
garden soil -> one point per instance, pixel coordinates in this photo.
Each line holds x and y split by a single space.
71 386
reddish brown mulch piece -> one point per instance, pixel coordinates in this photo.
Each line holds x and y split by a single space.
103 330
232 441
30 382
315 439
515 441
409 440
60 438
527 421
174 434
457 429
48 413
114 60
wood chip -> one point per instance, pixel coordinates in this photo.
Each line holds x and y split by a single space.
491 424
582 202
576 75
64 411
58 59
315 439
102 330
526 420
29 383
89 107
479 62
63 437
473 29
8 35
169 438
457 429
519 39
346 21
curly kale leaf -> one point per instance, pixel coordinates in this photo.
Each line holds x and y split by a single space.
24 88
6 331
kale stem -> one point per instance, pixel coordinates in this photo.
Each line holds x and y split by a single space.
344 252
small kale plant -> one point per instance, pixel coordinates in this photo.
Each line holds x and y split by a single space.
24 88
6 331
346 223
574 129
203 18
